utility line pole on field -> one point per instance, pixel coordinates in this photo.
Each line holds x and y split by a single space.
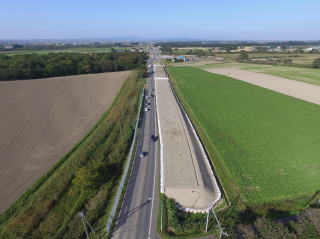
222 233
84 222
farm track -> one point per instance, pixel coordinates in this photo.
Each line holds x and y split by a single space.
42 119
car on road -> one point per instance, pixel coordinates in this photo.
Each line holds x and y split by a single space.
153 138
143 154
146 109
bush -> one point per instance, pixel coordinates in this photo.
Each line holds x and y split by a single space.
243 57
316 63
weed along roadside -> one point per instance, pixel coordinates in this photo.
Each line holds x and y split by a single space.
86 179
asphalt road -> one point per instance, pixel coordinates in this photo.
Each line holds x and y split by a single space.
140 206
139 210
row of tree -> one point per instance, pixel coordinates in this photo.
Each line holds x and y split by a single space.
31 66
244 57
235 44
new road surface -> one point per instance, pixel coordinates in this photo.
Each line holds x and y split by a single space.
138 214
186 175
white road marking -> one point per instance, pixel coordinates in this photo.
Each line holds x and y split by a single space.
154 186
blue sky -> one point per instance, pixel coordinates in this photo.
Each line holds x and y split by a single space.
204 19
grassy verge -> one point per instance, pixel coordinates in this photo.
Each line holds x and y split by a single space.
177 224
85 179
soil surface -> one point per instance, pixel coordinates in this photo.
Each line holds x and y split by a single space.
300 90
41 120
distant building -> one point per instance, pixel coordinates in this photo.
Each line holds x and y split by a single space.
8 47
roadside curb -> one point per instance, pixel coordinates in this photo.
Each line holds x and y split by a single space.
160 138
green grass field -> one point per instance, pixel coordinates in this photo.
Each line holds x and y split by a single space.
265 146
303 74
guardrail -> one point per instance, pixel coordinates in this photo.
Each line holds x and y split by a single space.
126 170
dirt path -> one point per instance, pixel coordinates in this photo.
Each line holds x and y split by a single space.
41 120
300 90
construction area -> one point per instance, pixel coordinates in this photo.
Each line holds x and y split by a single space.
186 175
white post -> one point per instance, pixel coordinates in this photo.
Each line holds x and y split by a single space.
207 220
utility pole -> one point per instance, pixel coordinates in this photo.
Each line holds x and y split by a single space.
207 221
85 221
208 213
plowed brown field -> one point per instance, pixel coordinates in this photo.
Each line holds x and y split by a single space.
40 121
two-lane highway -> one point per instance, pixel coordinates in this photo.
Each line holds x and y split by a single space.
138 214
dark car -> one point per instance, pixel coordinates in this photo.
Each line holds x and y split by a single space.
153 138
143 154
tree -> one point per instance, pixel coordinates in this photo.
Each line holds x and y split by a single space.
31 66
243 57
287 61
316 63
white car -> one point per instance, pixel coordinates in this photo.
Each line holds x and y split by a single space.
146 109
